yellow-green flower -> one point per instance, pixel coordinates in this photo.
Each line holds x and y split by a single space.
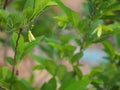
98 30
30 36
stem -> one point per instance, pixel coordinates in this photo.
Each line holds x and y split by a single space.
85 36
15 55
5 4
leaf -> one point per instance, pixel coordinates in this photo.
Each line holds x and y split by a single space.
4 85
73 84
26 84
29 4
30 45
114 7
4 14
117 39
40 5
21 45
10 60
51 85
76 57
78 72
67 82
73 16
97 81
38 67
28 10
109 48
51 66
95 72
65 50
15 20
61 71
21 84
39 59
5 74
78 85
111 17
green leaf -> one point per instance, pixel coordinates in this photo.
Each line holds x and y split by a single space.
40 5
21 84
117 39
61 71
4 14
76 57
73 84
73 16
26 84
28 10
14 21
21 45
5 74
30 45
109 48
78 85
4 85
51 85
95 72
29 4
114 7
111 17
38 67
51 66
39 59
10 60
65 50
97 81
78 72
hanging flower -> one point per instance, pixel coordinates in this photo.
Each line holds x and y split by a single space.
98 30
30 36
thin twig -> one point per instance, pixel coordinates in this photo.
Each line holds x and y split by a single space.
15 55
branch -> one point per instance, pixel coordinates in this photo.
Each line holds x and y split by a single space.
15 56
5 4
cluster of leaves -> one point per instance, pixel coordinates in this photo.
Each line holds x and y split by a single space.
100 21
